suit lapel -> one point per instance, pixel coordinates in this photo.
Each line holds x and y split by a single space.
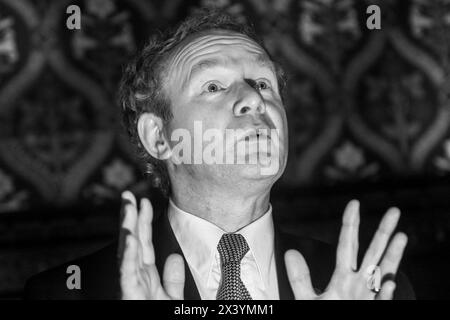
284 287
165 244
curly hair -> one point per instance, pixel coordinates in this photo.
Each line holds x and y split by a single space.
141 91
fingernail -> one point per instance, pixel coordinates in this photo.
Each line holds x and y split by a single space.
403 237
395 213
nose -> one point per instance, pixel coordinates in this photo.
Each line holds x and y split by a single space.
249 101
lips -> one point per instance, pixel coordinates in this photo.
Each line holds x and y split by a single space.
253 133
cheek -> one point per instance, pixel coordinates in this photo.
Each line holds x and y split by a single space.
214 114
279 119
278 115
284 129
198 113
185 113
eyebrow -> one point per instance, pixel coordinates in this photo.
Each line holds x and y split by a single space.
203 65
261 59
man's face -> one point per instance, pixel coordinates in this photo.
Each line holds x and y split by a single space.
225 81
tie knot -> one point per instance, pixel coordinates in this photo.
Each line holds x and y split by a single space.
232 247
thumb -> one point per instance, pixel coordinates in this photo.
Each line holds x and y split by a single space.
298 274
173 276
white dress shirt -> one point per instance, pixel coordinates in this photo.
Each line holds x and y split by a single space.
198 239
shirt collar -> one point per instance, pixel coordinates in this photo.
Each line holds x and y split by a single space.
198 239
260 238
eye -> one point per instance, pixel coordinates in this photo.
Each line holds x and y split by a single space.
262 85
213 87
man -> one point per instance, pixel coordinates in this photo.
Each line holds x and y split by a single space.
214 236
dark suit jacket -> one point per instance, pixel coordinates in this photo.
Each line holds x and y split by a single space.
100 270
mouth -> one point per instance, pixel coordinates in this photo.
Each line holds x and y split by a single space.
253 145
255 134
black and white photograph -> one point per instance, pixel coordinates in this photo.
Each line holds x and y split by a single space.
224 150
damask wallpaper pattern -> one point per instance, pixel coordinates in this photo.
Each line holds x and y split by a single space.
364 106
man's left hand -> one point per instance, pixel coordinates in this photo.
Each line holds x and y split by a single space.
348 282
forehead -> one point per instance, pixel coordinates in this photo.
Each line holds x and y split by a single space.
217 44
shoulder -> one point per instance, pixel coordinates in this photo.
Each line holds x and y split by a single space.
99 278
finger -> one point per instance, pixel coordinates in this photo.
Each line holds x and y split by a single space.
387 291
173 276
355 240
381 238
128 268
130 209
126 221
298 275
145 231
394 253
128 197
347 254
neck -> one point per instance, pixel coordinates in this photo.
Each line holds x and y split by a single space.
230 209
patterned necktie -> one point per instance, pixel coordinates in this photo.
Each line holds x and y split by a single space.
232 248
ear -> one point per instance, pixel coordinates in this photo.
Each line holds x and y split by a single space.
150 130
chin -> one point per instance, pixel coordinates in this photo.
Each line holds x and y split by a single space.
270 168
258 171
264 172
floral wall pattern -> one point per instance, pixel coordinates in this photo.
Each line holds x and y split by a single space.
363 105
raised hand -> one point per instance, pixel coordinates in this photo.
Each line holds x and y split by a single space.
348 282
139 278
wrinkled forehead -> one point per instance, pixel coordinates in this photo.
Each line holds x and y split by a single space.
224 43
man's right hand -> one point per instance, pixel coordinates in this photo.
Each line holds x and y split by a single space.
139 278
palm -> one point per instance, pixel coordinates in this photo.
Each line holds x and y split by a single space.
148 286
347 287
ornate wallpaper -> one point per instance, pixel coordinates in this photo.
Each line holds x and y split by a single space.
364 106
